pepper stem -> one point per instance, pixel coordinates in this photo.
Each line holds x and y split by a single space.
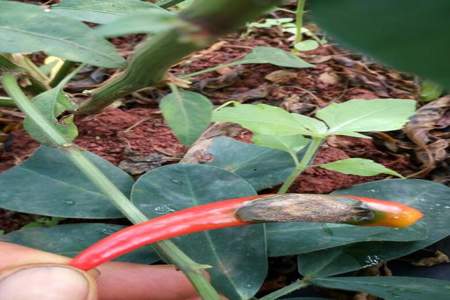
168 249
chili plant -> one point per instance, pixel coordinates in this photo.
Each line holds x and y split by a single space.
285 145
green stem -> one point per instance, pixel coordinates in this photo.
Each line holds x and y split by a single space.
313 146
7 102
169 250
39 80
299 20
299 284
63 71
207 70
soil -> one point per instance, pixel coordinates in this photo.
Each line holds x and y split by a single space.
127 134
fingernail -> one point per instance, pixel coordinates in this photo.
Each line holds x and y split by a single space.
45 282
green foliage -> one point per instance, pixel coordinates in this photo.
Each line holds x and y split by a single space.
68 38
51 104
188 114
70 239
101 12
150 21
262 167
290 143
430 91
391 287
359 166
416 41
57 188
274 56
171 188
355 115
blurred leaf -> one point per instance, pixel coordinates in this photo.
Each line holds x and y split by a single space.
151 21
261 119
51 104
390 287
359 166
287 143
237 255
430 91
392 34
367 115
43 222
188 114
261 167
307 45
101 12
70 239
273 56
49 184
25 28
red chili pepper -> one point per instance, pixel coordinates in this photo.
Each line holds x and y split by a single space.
242 211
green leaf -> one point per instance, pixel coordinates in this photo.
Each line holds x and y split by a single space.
260 166
430 91
307 45
383 30
287 143
188 114
70 239
100 12
273 56
297 238
261 119
367 115
49 184
151 21
25 28
359 166
429 197
390 287
51 104
316 127
237 255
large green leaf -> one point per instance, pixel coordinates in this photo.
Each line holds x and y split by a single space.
391 287
411 35
261 167
188 114
286 143
70 239
237 255
359 166
49 184
353 257
297 238
367 115
151 21
100 12
274 56
431 198
262 119
28 28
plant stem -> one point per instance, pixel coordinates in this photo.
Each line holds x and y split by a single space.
39 80
63 71
313 146
299 284
7 102
171 252
200 25
211 69
300 11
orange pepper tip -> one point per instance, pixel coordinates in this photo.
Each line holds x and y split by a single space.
389 213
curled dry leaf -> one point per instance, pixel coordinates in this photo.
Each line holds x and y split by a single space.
430 149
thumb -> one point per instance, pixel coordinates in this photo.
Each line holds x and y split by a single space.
46 282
